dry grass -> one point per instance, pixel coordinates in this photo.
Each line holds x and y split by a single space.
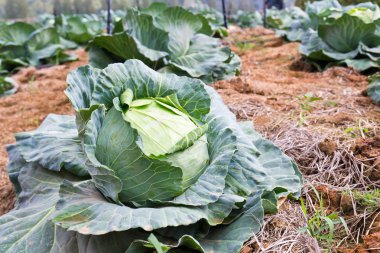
280 232
325 149
338 171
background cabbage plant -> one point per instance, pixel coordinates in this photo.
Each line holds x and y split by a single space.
23 44
289 23
79 28
344 35
374 88
120 177
212 19
167 39
7 86
247 18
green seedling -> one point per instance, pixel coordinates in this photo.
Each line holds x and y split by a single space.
357 131
32 88
306 104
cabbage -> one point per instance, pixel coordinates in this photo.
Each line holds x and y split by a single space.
22 44
344 35
169 40
151 162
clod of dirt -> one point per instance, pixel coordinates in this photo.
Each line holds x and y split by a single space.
372 242
274 43
337 119
6 193
375 228
346 74
375 173
246 250
368 148
346 204
364 101
263 88
262 122
328 147
301 64
330 197
238 84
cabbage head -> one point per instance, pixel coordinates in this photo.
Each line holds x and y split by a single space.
151 162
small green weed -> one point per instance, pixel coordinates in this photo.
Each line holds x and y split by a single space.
330 103
320 225
369 199
243 47
306 104
357 131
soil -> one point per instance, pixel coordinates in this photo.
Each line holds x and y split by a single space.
369 150
270 89
40 93
269 92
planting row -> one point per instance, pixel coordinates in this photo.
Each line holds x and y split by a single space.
47 40
330 34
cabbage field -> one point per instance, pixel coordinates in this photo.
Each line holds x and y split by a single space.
158 129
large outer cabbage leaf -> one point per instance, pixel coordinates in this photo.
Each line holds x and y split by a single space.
16 34
59 212
181 26
141 40
78 28
28 228
322 12
44 46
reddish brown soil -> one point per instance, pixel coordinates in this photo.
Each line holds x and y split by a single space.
269 88
269 92
371 244
369 149
40 93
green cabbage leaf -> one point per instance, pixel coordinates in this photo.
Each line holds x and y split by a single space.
167 39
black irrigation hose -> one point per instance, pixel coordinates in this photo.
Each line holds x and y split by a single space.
224 14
